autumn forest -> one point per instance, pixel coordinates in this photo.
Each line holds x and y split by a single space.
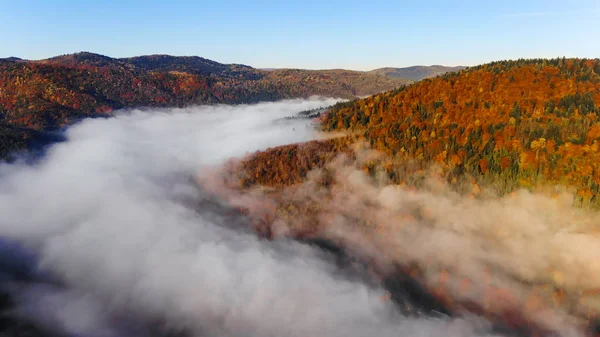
38 96
506 125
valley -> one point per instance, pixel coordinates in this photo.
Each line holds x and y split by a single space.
500 158
299 168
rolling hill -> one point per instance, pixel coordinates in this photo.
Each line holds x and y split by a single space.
11 59
193 65
47 94
511 124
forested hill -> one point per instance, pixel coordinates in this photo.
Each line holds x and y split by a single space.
193 65
42 95
38 94
507 124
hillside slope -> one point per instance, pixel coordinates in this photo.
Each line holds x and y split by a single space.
43 95
506 125
48 93
514 124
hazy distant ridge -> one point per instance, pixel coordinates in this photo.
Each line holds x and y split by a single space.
415 73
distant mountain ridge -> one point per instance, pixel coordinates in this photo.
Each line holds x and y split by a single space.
47 94
415 73
12 59
85 83
192 65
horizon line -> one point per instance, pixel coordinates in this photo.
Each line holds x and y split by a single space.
269 68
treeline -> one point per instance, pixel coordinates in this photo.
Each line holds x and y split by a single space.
12 140
15 139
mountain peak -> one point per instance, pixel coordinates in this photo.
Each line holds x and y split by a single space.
12 59
187 64
83 57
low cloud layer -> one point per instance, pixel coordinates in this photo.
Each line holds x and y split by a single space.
527 254
133 246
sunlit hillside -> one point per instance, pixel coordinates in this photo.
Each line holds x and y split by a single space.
506 125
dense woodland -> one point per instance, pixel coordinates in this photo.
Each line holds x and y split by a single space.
503 125
44 95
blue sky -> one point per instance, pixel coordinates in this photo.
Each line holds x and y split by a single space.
305 34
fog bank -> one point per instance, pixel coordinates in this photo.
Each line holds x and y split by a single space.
530 255
131 245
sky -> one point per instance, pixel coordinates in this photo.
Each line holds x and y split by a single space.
311 34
